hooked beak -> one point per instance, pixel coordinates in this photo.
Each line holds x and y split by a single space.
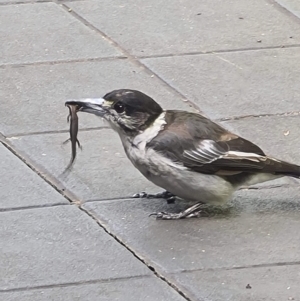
89 105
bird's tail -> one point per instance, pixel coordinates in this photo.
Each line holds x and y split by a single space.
283 168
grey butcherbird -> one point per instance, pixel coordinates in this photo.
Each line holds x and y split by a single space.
185 153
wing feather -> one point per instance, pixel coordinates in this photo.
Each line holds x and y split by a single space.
203 146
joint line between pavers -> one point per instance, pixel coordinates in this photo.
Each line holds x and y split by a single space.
132 58
154 270
32 2
33 207
68 284
16 135
234 118
40 171
285 9
24 2
289 185
255 266
223 119
47 63
195 53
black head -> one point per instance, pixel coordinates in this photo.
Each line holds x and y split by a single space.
128 110
134 103
132 109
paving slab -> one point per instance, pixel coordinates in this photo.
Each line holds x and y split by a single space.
235 84
291 5
21 187
190 26
129 289
33 97
49 246
32 28
101 169
258 227
250 284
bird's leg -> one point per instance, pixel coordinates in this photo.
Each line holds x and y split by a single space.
193 211
161 195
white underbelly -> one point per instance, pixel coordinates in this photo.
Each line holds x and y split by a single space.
179 180
195 187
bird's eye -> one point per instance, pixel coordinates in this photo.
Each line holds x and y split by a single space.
119 107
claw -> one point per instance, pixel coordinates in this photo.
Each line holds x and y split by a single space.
171 200
140 195
161 195
194 211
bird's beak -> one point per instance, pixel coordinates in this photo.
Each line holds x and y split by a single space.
89 105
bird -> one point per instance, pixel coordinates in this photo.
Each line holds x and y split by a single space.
185 153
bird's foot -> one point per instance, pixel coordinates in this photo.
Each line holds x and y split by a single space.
161 195
194 211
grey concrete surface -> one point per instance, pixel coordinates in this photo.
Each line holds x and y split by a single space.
59 245
21 187
292 6
32 34
252 230
34 96
235 84
190 26
258 283
104 246
143 288
276 135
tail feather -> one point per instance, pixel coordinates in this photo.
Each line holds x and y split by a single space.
279 167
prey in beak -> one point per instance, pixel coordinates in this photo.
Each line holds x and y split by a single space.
185 153
73 119
93 106
89 105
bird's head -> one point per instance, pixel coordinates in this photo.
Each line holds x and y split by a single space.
127 111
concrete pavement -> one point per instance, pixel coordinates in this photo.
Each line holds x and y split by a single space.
83 237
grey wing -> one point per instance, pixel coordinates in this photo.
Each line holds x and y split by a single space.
207 151
219 155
